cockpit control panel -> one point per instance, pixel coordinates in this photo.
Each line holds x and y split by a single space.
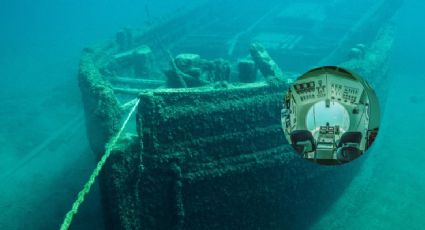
328 87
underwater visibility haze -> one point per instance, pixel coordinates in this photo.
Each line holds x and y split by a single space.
167 114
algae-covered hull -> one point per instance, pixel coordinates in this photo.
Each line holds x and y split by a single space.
214 156
215 159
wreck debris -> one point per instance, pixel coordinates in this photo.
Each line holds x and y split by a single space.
143 61
376 54
247 71
358 51
219 71
265 63
174 76
188 63
136 62
355 53
188 67
124 39
189 70
124 82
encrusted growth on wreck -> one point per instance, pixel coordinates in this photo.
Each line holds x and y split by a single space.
101 107
265 63
208 151
189 70
209 156
376 54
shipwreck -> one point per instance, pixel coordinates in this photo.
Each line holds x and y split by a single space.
206 149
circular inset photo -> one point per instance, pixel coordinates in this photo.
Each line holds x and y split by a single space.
330 116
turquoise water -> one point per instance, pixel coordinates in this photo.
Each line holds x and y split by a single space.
39 54
389 191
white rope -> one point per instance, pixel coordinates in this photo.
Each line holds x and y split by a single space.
314 116
86 189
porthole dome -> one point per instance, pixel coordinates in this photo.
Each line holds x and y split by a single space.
330 115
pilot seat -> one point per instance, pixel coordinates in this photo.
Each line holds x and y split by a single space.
348 147
302 141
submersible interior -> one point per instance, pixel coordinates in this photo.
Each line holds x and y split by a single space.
331 116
